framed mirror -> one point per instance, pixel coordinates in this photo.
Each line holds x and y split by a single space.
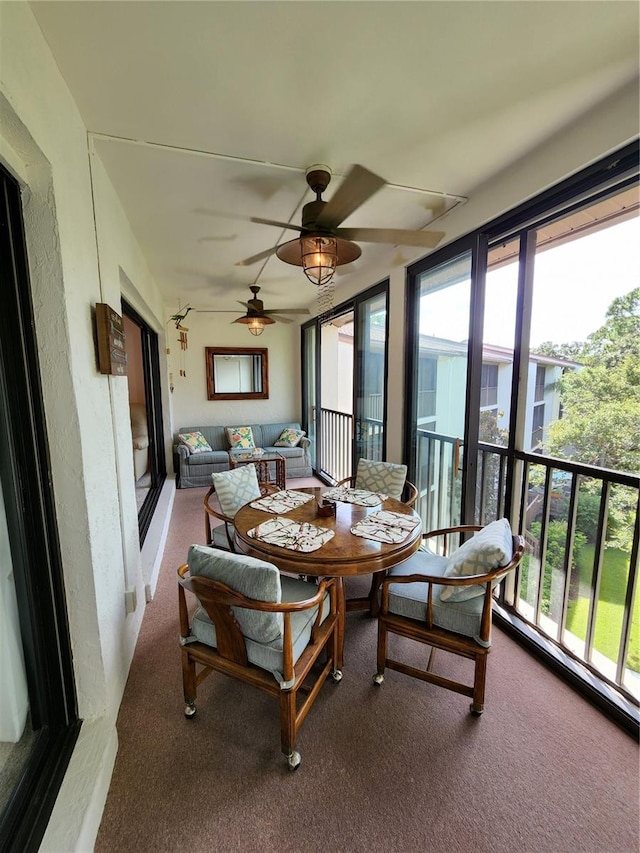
237 373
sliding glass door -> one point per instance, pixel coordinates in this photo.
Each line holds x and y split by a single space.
145 408
370 376
344 358
442 430
523 398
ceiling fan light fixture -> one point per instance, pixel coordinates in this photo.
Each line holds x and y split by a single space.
255 324
319 255
319 258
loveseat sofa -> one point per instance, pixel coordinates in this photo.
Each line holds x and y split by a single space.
195 469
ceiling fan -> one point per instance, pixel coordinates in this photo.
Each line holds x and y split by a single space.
257 317
323 245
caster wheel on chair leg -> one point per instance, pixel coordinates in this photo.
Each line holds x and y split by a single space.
189 710
336 674
293 760
476 710
378 678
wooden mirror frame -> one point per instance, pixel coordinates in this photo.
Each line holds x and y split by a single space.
212 394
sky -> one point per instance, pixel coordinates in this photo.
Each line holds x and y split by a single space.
574 284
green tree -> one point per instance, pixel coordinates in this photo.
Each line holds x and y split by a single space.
601 408
572 351
601 401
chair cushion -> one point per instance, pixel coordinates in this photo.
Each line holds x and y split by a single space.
268 656
214 457
410 599
385 477
289 437
219 536
235 488
195 441
240 436
248 576
486 550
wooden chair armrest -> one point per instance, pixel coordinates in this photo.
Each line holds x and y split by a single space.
216 513
409 489
347 481
265 489
268 488
411 493
445 532
210 512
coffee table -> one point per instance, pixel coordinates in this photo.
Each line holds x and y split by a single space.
270 467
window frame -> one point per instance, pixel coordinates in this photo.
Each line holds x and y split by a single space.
35 548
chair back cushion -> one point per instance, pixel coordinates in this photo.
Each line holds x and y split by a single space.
385 477
248 576
235 488
486 550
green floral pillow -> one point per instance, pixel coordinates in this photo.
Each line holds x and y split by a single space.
289 438
240 437
195 441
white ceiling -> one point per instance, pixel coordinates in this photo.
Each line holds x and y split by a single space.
208 113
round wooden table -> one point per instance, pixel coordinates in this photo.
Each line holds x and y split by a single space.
343 555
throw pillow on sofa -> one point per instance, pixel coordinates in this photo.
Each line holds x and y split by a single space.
240 437
195 441
289 438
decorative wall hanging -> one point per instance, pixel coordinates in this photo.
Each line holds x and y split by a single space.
177 319
112 358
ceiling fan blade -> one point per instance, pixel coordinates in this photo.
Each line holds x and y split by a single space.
287 311
261 221
280 319
358 186
396 236
255 258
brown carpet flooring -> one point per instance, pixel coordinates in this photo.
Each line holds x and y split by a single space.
401 767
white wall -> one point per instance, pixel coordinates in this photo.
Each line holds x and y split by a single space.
44 143
189 403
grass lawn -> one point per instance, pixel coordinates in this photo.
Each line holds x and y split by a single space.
613 585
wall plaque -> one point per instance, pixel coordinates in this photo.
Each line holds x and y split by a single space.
112 358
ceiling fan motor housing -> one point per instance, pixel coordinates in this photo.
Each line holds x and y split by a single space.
255 305
310 213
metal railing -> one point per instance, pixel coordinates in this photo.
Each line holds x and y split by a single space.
337 441
578 581
336 434
436 480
